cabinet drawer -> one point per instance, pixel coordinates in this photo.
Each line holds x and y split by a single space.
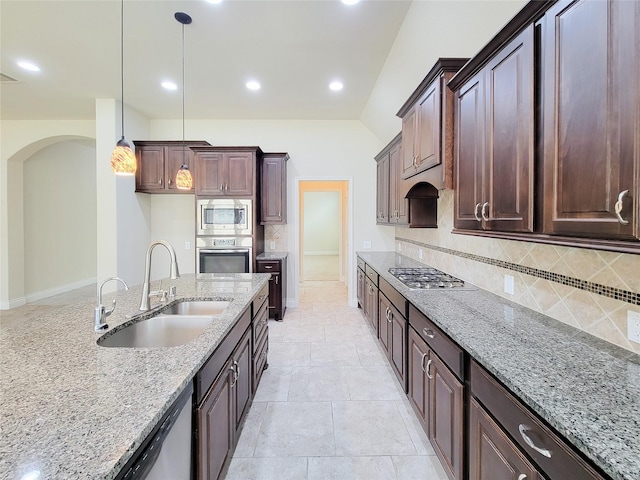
213 366
372 274
451 354
556 459
394 297
268 266
259 300
260 323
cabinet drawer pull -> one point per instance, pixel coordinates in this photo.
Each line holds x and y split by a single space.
618 207
522 476
424 355
476 212
428 369
268 267
485 211
388 315
429 333
523 431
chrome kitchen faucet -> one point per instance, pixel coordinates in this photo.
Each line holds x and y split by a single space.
145 303
100 313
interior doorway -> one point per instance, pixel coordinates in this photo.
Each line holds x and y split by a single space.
323 229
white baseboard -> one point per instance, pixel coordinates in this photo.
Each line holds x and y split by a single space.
14 303
50 292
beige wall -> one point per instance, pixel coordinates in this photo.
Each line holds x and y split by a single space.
59 219
321 229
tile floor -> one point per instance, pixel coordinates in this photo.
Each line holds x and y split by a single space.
329 406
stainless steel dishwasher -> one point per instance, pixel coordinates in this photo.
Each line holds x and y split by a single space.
166 453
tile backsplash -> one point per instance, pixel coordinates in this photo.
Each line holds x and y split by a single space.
589 289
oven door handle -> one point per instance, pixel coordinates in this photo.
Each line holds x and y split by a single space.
233 250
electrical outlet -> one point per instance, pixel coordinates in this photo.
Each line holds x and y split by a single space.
509 287
420 254
399 247
272 245
633 326
187 245
366 244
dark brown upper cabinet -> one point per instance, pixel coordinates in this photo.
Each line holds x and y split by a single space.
159 162
494 142
391 206
226 171
427 128
273 189
591 115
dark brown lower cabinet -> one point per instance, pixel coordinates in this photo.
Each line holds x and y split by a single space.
242 364
215 423
437 396
393 337
492 454
370 306
277 285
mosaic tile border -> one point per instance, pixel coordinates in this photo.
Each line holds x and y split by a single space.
604 290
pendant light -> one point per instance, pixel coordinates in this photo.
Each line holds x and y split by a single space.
184 180
123 160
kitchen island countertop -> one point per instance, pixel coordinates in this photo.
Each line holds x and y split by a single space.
584 387
72 409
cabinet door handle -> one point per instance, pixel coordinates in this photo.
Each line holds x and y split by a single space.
618 207
424 355
237 370
160 182
523 431
222 187
169 181
226 187
388 315
522 476
428 369
429 333
277 277
476 212
235 378
485 211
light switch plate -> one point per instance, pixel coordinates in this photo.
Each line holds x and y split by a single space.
509 286
399 247
272 245
420 253
366 244
633 326
187 245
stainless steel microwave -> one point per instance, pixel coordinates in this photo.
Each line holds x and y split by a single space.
224 216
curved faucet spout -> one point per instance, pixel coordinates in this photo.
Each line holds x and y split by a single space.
100 312
145 303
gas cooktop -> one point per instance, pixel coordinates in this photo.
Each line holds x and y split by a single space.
428 278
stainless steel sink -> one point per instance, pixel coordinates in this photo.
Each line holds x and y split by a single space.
159 331
197 307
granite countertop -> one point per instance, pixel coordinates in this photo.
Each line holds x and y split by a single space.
72 409
586 388
272 256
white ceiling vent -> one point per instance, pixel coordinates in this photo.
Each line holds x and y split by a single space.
6 78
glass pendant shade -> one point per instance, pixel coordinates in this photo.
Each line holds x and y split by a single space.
123 160
184 180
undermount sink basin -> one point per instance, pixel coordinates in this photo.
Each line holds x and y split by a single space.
159 331
197 307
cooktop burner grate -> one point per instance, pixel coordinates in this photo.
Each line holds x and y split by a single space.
426 278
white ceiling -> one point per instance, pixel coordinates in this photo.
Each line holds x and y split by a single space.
294 48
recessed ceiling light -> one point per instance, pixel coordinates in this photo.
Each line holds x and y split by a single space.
350 2
336 86
32 67
169 85
253 85
214 1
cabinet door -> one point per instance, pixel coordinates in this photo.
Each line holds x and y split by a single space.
273 198
446 429
210 173
398 205
398 345
418 382
428 134
384 328
242 362
507 200
239 169
590 95
371 303
382 192
361 288
469 153
409 132
215 419
150 171
175 158
492 454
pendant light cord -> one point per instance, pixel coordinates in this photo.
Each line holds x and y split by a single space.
122 66
183 89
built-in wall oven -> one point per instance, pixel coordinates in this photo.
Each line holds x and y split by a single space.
224 216
224 254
